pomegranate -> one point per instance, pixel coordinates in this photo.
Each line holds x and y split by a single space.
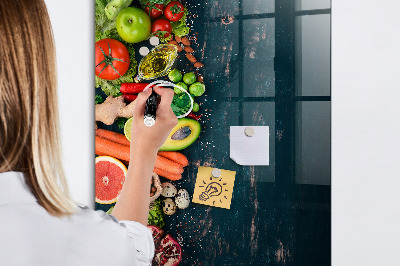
157 233
169 253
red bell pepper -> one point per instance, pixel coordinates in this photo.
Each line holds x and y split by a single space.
132 88
129 97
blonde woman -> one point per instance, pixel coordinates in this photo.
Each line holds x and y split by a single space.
40 224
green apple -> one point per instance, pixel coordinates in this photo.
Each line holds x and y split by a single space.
133 25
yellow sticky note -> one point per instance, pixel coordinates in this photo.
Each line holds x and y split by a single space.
213 191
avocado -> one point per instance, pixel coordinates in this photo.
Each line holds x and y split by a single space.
182 135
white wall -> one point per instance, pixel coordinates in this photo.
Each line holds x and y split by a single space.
365 121
74 35
365 132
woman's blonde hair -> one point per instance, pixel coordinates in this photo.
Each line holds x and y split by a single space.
29 122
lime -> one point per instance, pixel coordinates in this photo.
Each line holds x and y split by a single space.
128 128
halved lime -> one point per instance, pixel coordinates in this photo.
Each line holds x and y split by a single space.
128 128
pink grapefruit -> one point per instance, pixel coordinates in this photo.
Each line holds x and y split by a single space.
110 177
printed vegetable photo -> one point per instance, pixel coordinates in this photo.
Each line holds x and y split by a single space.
136 43
244 67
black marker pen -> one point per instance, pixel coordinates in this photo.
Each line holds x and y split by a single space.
150 110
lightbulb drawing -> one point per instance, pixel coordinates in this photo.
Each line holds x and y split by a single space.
213 189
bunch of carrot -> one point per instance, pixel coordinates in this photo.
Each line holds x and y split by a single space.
169 164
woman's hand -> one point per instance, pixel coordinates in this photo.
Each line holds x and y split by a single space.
134 199
148 140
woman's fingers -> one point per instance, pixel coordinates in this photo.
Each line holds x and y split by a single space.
164 107
140 103
167 96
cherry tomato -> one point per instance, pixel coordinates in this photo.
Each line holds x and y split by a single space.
154 10
161 25
112 59
174 11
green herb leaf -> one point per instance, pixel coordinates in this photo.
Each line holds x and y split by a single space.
180 28
98 99
156 214
143 3
160 35
180 104
121 122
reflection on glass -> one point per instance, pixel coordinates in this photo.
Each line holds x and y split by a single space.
222 56
312 4
221 8
258 6
262 114
313 143
258 61
313 55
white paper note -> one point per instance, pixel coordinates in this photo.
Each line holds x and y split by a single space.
245 150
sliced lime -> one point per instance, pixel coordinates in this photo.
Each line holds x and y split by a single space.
128 128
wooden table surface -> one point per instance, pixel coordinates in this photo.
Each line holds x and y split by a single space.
249 52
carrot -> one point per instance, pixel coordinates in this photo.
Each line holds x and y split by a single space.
113 136
175 157
168 165
107 147
166 174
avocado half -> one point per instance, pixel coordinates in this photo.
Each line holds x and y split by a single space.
182 135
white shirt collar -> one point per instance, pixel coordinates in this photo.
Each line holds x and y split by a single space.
13 188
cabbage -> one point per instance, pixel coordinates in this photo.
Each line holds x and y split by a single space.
115 6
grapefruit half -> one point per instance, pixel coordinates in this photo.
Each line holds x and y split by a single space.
110 177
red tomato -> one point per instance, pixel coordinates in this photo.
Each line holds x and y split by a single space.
154 10
174 11
112 59
161 26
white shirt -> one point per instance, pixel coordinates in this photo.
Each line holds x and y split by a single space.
31 236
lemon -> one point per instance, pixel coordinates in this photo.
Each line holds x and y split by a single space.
128 128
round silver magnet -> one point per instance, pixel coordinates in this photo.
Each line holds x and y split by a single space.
216 173
249 131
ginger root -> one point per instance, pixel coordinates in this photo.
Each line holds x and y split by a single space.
112 108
